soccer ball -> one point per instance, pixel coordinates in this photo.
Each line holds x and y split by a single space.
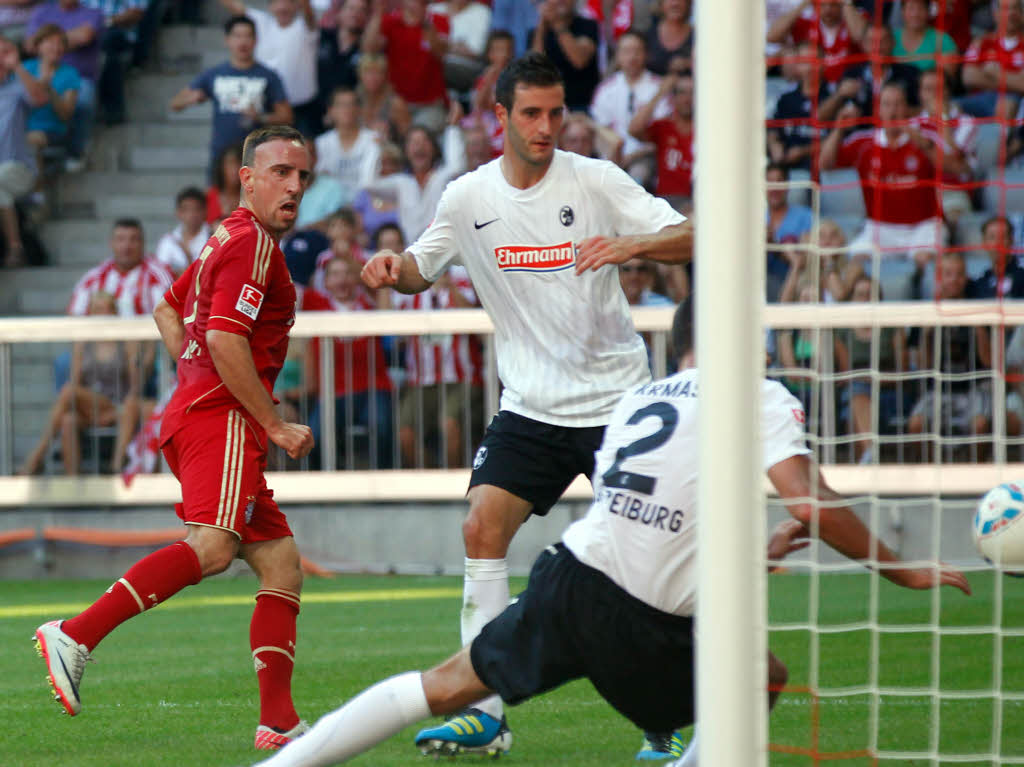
999 525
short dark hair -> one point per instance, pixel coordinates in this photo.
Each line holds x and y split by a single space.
236 20
532 69
343 88
128 223
265 135
498 34
49 30
632 32
190 193
992 219
682 327
784 170
217 171
899 85
389 227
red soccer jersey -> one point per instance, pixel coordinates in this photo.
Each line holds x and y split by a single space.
1009 52
954 19
898 180
675 158
415 73
836 45
239 284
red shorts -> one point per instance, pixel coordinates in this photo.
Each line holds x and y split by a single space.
220 461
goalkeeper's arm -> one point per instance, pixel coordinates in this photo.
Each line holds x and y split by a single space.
820 509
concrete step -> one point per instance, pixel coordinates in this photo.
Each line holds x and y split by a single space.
154 89
83 187
182 39
200 114
140 205
57 277
43 301
160 159
67 240
83 256
153 133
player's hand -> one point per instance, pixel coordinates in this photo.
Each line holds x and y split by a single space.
595 252
788 536
383 270
296 439
930 577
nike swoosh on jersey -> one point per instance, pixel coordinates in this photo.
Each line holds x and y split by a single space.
485 223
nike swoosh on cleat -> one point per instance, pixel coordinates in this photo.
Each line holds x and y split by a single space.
74 689
485 223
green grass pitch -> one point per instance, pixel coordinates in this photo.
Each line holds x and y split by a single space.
176 686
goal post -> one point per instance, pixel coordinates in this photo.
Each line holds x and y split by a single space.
729 267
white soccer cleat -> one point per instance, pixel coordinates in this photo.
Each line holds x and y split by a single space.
65 663
271 738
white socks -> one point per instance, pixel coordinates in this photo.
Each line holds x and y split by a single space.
484 595
369 718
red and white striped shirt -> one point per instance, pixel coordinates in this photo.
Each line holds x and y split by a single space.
434 359
137 291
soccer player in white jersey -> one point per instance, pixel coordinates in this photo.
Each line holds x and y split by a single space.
540 232
614 600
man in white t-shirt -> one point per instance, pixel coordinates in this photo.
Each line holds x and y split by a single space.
287 41
539 231
614 600
621 94
349 152
183 244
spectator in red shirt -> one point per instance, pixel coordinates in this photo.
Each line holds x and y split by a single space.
838 28
960 134
994 65
672 137
415 43
362 387
900 171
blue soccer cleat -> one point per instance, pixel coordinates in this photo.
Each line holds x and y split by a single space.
471 732
661 745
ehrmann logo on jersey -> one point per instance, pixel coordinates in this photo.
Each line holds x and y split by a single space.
530 258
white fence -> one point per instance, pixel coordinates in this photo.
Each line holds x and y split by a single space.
437 485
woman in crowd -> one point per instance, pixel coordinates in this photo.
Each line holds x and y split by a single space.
222 197
103 389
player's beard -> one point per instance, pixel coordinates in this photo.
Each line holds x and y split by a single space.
523 151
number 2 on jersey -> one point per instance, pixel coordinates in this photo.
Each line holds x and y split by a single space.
642 483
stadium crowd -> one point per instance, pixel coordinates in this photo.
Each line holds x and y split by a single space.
908 116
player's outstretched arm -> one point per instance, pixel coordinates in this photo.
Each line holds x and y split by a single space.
186 97
388 269
671 245
841 529
232 357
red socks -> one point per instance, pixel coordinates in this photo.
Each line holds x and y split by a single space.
150 581
272 638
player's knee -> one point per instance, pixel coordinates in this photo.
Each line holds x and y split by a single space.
68 422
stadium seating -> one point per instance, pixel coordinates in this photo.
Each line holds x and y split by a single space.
841 194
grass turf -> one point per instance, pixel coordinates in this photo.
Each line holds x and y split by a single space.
176 686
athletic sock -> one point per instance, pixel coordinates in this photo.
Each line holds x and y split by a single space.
369 718
272 638
150 581
689 757
484 595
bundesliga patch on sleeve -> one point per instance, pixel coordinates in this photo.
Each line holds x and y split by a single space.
249 302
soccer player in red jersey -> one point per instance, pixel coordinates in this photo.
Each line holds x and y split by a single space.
226 320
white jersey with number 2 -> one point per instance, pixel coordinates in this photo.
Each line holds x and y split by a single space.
641 530
566 345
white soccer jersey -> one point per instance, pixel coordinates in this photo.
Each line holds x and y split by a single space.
641 530
566 345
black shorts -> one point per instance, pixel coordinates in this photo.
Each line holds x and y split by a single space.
573 621
534 460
